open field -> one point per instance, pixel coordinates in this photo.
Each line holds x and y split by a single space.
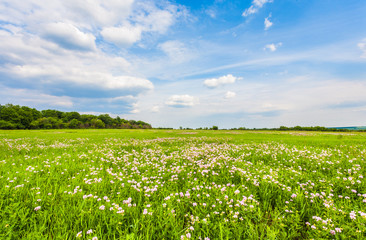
174 184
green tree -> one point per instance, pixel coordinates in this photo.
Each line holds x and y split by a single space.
7 125
74 123
97 123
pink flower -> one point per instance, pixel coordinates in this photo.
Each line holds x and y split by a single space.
37 208
352 215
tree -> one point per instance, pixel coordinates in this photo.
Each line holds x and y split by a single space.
97 123
7 125
108 120
68 116
74 123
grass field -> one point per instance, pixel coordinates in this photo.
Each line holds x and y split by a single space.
174 184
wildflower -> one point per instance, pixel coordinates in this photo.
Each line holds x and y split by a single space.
102 207
94 238
338 230
90 231
79 234
145 211
37 208
332 232
352 215
237 192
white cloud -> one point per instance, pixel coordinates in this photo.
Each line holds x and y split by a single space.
362 46
260 3
135 111
181 101
211 12
154 19
176 51
29 97
249 11
97 13
267 23
272 47
155 109
32 60
88 78
122 36
68 36
256 5
230 94
215 82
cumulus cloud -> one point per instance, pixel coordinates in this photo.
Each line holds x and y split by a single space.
267 23
29 97
122 36
32 61
272 47
181 101
230 94
215 82
68 36
82 77
256 5
362 46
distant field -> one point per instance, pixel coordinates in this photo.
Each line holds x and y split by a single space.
175 184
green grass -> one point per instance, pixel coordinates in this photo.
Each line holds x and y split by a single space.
173 184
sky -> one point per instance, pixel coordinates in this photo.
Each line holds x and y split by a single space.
239 63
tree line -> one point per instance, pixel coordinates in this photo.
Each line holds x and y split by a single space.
23 117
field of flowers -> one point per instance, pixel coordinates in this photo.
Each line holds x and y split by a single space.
150 184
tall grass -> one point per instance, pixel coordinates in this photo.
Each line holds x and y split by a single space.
149 184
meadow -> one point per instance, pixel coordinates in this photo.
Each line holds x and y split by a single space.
180 184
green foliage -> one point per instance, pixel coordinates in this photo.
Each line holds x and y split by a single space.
17 117
7 125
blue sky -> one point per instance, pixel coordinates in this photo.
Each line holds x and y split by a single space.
259 63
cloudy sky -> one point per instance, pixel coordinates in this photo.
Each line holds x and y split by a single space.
239 63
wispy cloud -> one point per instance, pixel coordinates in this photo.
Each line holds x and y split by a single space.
272 47
181 101
362 46
267 23
256 5
176 51
230 94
